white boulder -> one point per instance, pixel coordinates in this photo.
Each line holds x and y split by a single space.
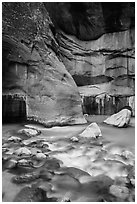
92 130
29 132
23 150
74 139
40 156
120 119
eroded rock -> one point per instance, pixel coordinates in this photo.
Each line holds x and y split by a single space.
120 119
40 156
92 130
29 132
23 151
74 139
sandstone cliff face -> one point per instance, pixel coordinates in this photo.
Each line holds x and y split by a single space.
106 65
97 47
89 20
90 44
110 58
32 69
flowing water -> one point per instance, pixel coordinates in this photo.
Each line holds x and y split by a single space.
77 169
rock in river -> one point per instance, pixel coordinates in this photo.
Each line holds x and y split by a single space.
120 119
92 130
25 178
23 150
29 132
14 139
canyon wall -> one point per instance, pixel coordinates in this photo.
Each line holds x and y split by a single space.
32 69
97 47
59 58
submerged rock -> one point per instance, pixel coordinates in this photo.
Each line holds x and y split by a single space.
10 164
119 191
40 156
92 130
32 194
25 178
120 119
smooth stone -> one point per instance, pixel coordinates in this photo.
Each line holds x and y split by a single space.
29 132
120 119
92 130
74 139
40 156
23 150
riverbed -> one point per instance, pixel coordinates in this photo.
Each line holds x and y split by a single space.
74 169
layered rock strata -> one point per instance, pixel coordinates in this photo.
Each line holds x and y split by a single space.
32 68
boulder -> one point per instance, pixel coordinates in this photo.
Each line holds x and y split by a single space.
74 139
120 119
92 130
23 151
29 132
40 156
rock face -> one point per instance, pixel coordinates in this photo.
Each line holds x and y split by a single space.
85 44
33 70
108 59
97 46
88 21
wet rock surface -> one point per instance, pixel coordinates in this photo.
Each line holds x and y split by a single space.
66 169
